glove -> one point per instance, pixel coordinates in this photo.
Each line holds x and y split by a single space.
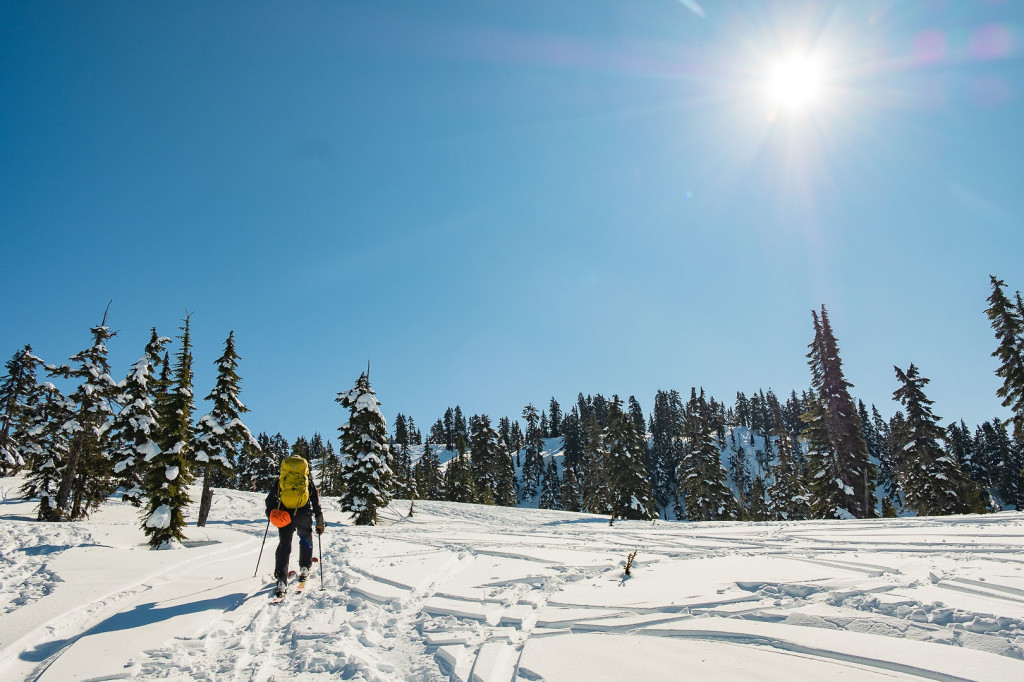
320 525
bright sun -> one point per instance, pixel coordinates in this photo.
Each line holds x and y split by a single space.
795 83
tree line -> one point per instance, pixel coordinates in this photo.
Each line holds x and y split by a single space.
137 436
817 454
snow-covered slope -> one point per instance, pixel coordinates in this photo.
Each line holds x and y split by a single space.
469 592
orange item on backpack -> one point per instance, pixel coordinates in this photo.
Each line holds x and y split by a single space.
280 518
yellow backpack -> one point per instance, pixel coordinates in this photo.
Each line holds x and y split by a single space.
293 486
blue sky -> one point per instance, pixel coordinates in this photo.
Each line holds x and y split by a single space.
496 203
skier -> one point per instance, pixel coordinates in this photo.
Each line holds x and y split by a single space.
292 506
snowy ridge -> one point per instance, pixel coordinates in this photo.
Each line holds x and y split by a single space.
471 592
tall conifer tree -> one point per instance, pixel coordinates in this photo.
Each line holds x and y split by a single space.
170 472
843 476
702 478
628 484
87 476
221 434
549 486
135 426
45 446
17 387
596 492
364 454
931 477
1008 323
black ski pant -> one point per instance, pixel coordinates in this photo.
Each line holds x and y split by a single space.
302 521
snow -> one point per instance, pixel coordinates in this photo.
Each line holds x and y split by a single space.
469 592
160 518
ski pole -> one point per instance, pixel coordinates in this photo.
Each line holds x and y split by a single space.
261 547
320 545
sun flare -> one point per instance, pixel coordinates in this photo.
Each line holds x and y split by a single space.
795 83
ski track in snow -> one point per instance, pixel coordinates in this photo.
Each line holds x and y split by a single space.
483 594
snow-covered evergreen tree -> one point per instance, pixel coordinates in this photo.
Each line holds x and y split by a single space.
628 484
221 434
489 461
757 508
364 454
549 486
331 482
931 478
570 493
788 497
16 389
458 479
170 472
702 478
666 448
1008 324
555 418
87 476
739 473
533 463
45 446
429 480
842 474
596 493
133 433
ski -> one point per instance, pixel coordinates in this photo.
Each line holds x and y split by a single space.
300 587
278 598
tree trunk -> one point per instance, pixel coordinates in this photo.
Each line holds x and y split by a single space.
206 501
64 490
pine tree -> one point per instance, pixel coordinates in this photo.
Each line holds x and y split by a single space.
549 486
87 476
931 478
449 429
570 493
888 453
533 464
170 472
702 478
46 446
220 434
458 480
596 492
666 449
757 505
960 446
134 431
517 440
740 475
17 387
789 498
428 474
842 477
1008 323
994 455
555 412
364 454
331 482
572 440
628 484
402 479
489 461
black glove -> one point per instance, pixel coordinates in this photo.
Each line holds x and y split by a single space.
320 525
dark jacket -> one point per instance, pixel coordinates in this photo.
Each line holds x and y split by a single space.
311 508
